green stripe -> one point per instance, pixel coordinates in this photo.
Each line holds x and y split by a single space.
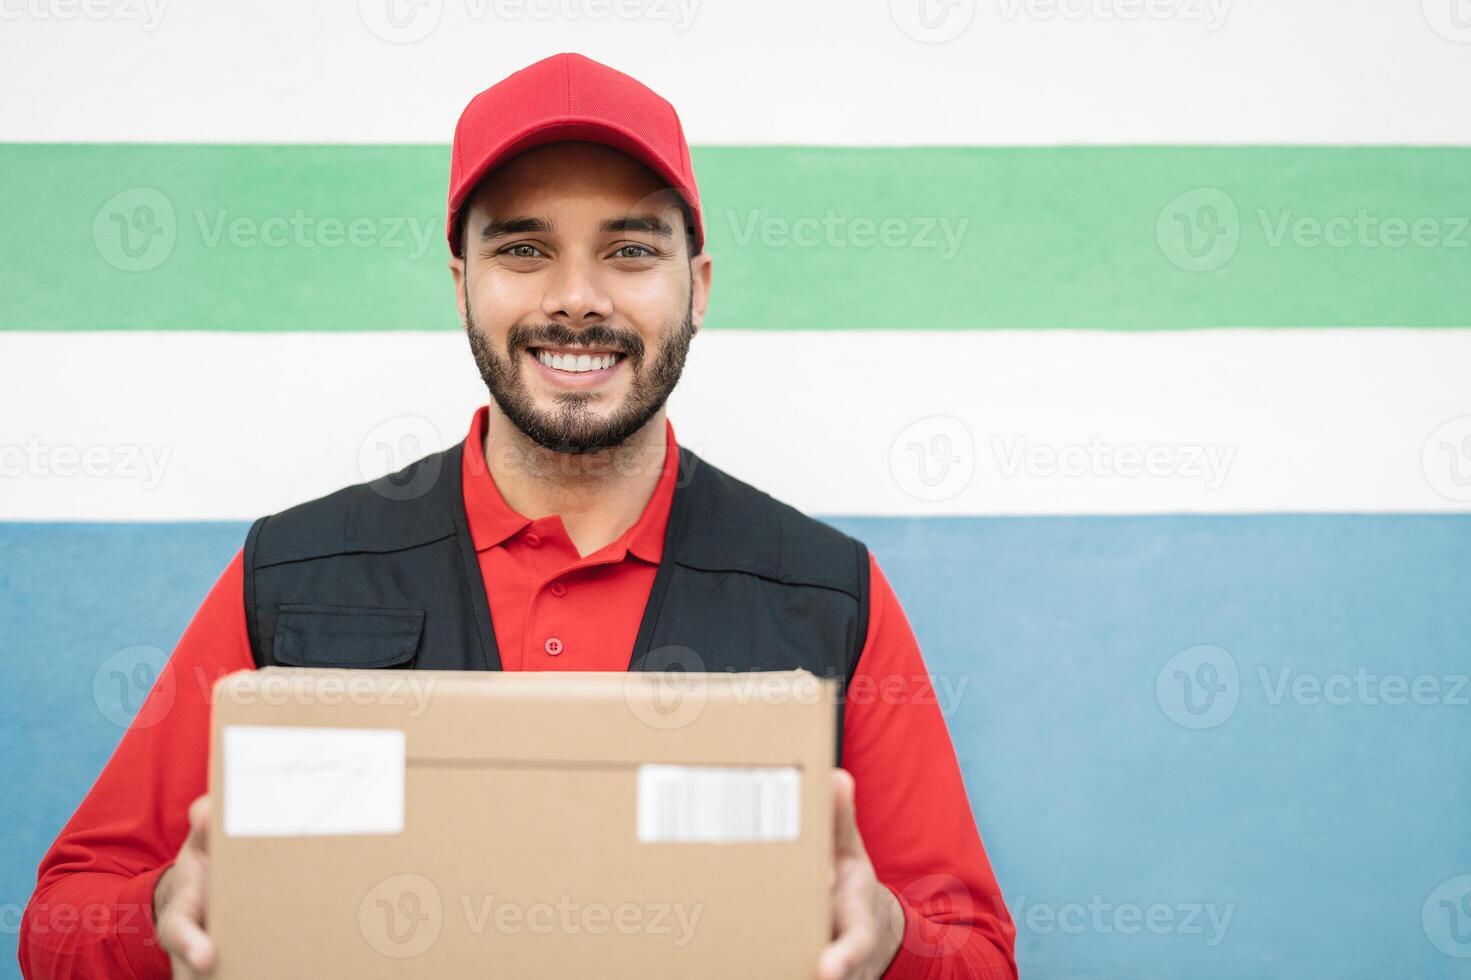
349 237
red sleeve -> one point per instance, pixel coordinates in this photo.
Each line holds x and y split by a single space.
92 911
912 809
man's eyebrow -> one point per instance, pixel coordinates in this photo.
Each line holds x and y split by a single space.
651 223
496 227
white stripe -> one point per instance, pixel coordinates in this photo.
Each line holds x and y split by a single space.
754 71
175 426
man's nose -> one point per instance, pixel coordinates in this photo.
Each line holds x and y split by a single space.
576 292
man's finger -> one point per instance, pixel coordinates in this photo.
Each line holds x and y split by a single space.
186 939
834 964
844 953
181 925
846 840
199 823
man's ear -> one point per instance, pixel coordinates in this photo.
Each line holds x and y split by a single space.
701 268
457 272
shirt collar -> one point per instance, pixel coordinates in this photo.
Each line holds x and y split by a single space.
492 520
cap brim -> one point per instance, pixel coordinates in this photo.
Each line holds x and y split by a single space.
551 131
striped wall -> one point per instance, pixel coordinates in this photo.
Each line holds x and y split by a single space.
1132 337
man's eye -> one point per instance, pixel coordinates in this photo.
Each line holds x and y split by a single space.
633 252
521 251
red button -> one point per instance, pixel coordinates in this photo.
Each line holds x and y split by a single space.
552 646
558 589
533 540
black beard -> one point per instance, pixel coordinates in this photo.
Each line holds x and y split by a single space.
572 429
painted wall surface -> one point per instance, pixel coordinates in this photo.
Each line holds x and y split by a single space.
1132 338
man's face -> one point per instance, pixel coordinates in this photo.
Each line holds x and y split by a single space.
578 293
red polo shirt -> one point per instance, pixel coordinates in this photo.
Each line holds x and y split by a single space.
551 608
92 912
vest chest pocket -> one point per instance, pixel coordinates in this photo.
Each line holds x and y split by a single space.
347 636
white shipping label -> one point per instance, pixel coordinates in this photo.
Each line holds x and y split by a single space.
719 804
289 782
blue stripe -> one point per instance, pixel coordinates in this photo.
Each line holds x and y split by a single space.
71 595
1324 828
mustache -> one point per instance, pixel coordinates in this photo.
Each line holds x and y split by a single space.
560 335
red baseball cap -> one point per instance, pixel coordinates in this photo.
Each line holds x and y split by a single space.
569 97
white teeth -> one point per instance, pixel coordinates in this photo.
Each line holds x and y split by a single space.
577 363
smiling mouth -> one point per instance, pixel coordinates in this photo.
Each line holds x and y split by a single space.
576 362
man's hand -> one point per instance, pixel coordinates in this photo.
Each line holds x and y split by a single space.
179 900
868 922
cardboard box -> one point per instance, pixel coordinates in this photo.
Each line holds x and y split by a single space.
399 823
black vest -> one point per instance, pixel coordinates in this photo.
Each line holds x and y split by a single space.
384 574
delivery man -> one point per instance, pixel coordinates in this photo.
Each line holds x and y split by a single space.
569 531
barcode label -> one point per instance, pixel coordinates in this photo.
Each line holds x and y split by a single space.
718 804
